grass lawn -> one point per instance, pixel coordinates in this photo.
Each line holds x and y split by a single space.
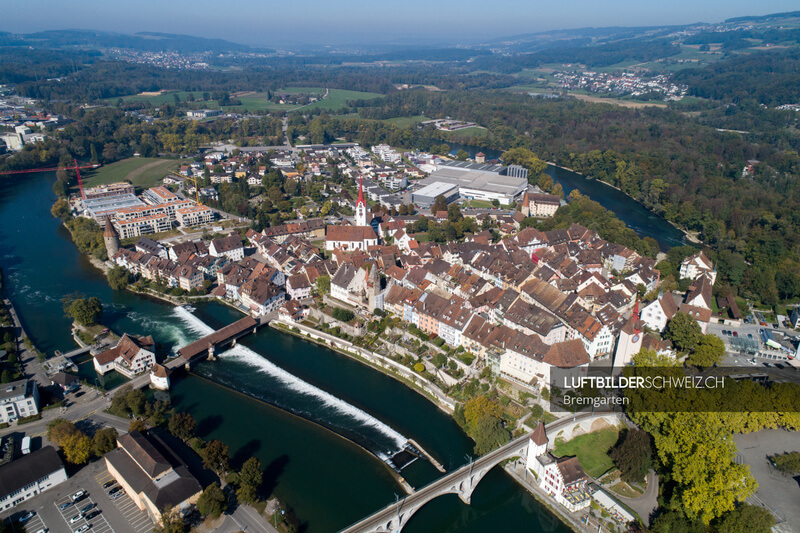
303 90
143 172
338 98
623 489
592 450
159 99
404 122
480 204
474 131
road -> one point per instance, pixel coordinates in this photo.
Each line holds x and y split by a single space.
645 504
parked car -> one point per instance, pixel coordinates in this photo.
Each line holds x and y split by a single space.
27 516
92 514
116 495
109 483
78 495
735 333
76 518
83 528
767 365
114 491
88 507
64 505
724 332
749 335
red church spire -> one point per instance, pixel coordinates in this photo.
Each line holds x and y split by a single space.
361 192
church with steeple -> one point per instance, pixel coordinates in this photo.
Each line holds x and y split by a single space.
361 205
360 236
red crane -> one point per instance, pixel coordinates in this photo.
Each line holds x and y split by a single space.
76 168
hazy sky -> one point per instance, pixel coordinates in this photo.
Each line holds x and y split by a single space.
271 22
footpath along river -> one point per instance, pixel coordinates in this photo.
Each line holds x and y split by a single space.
269 397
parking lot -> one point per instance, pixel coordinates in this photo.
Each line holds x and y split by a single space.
138 521
76 514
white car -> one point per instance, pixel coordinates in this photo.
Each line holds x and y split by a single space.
83 528
78 495
75 518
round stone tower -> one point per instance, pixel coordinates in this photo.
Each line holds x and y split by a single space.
111 239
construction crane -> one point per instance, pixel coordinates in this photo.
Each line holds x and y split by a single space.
193 180
76 168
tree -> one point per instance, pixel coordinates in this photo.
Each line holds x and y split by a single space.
489 434
136 401
213 501
137 425
454 213
104 441
251 472
6 376
709 351
182 425
788 462
676 522
250 479
439 204
84 311
59 429
61 210
683 331
527 159
633 455
342 315
323 284
462 154
118 277
477 408
172 522
745 519
77 448
215 456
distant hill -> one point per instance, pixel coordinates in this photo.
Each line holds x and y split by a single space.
143 42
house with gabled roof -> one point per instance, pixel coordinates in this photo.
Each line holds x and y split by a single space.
131 356
562 478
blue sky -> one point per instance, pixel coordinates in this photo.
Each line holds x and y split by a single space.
271 22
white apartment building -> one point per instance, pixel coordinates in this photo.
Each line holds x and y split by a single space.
18 399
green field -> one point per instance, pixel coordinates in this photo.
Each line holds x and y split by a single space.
404 122
256 101
143 172
466 133
591 449
303 90
338 98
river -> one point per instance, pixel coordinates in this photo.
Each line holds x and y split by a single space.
632 213
275 397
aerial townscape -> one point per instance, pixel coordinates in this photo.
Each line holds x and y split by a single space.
310 272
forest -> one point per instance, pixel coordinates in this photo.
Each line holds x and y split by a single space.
770 78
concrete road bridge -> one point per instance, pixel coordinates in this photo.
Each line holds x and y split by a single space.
463 481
